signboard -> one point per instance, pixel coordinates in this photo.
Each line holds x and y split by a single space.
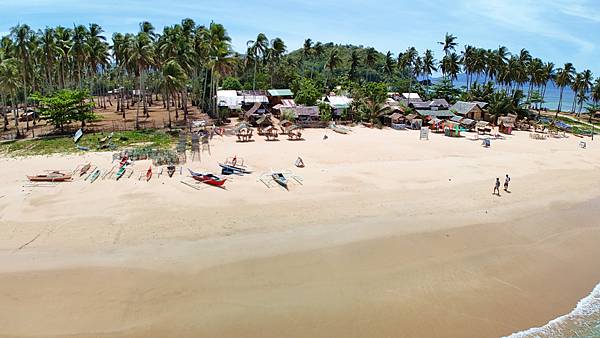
424 133
78 135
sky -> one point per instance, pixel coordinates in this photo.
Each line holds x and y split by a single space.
554 30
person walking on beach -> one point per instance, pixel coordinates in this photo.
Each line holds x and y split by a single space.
506 182
497 187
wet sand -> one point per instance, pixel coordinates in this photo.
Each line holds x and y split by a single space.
416 256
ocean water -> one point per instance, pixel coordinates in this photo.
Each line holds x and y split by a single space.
582 322
552 94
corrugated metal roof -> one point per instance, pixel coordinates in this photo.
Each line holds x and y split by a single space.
280 92
255 99
411 96
339 102
464 108
435 113
229 98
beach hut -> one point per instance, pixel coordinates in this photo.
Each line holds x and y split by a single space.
440 114
451 129
264 122
419 105
412 97
275 96
506 124
229 99
436 125
470 110
339 104
483 127
439 104
251 97
243 131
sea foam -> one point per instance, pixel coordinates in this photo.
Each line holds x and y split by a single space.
583 321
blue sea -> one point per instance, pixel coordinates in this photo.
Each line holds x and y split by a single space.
582 322
551 98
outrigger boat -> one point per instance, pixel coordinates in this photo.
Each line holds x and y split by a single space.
339 129
209 179
55 176
85 169
280 179
95 176
121 171
149 174
171 170
235 165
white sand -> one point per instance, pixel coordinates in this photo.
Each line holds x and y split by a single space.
388 236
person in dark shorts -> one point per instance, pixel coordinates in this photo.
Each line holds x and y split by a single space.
497 187
506 182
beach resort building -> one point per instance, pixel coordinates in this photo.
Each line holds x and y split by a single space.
471 110
340 104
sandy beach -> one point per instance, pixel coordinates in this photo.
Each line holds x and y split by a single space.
388 236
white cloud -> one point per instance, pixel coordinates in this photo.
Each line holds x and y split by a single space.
531 17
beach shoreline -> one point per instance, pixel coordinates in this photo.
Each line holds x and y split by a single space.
375 243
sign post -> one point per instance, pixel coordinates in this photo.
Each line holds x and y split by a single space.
424 135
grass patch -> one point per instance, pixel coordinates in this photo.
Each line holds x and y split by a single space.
64 145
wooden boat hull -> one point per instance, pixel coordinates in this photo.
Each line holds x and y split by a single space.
121 172
85 169
149 174
208 179
235 168
280 179
94 176
48 179
170 171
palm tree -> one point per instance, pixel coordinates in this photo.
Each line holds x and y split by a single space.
371 61
428 64
595 96
333 61
451 66
141 56
257 48
22 35
306 53
174 79
586 85
468 61
564 77
388 66
449 44
354 64
79 49
10 83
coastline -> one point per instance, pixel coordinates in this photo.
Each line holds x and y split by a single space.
427 251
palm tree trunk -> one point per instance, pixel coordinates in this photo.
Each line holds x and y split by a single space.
16 114
560 101
137 113
254 76
168 106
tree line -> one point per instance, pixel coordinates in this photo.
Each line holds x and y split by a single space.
187 63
